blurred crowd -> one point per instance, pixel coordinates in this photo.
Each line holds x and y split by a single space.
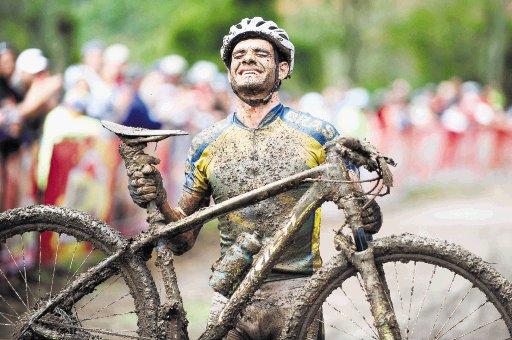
53 149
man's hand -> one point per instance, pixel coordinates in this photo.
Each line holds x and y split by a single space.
145 182
372 218
145 185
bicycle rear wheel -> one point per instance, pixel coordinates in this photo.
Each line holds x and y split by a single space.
43 249
438 290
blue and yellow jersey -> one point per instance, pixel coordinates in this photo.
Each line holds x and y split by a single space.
228 159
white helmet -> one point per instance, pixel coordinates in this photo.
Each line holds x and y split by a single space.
258 27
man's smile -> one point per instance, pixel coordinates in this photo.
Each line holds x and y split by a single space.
247 70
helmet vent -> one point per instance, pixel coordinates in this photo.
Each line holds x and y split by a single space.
272 28
283 36
239 26
260 23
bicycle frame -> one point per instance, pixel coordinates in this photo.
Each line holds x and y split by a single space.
172 317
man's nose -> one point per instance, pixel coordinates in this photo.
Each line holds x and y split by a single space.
249 57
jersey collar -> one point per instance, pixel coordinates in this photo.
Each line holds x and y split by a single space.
275 112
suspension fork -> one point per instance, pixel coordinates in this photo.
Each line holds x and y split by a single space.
375 288
362 257
373 283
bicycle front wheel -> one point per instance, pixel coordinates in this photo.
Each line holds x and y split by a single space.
438 291
43 249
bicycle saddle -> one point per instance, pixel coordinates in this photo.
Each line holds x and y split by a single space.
134 132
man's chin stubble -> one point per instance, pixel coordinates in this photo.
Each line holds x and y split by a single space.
250 89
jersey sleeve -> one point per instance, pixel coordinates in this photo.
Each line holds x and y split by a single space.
196 179
329 133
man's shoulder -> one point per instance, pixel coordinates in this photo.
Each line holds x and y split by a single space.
211 133
316 128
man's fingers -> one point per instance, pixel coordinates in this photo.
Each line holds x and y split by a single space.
149 197
147 159
148 169
137 174
145 181
146 190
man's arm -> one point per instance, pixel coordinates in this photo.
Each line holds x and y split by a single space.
188 204
146 185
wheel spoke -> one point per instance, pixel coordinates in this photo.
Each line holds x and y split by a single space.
97 330
440 297
82 263
398 288
34 277
24 277
477 328
107 316
108 305
337 328
4 315
24 269
71 263
14 289
442 306
99 292
358 311
350 319
8 304
55 264
464 318
453 312
423 299
39 268
410 300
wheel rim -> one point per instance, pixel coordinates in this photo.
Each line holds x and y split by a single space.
34 265
455 314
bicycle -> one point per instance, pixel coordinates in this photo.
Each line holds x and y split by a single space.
43 308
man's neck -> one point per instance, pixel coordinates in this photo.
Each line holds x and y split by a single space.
251 116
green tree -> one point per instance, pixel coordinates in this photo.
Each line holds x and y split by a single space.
193 28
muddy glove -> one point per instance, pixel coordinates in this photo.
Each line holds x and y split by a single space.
372 218
145 182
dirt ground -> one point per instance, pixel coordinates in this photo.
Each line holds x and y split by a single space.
475 215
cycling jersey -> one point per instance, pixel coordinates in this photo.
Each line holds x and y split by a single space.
228 159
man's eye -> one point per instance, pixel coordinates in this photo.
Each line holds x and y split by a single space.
262 55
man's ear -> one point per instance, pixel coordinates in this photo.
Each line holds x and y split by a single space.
284 69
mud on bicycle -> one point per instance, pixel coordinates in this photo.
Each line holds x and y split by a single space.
105 289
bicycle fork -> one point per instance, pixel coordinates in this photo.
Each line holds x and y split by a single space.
374 285
362 258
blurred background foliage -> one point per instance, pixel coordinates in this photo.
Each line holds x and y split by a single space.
370 43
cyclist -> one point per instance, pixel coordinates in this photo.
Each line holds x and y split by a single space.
263 141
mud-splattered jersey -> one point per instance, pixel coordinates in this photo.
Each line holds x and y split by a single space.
228 159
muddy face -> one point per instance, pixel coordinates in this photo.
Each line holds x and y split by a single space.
253 68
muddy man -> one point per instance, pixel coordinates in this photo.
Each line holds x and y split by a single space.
263 141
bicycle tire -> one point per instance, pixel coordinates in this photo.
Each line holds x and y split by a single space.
83 228
403 248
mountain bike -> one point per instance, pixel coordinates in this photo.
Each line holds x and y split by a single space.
65 275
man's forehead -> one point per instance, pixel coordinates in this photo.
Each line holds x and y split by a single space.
253 43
